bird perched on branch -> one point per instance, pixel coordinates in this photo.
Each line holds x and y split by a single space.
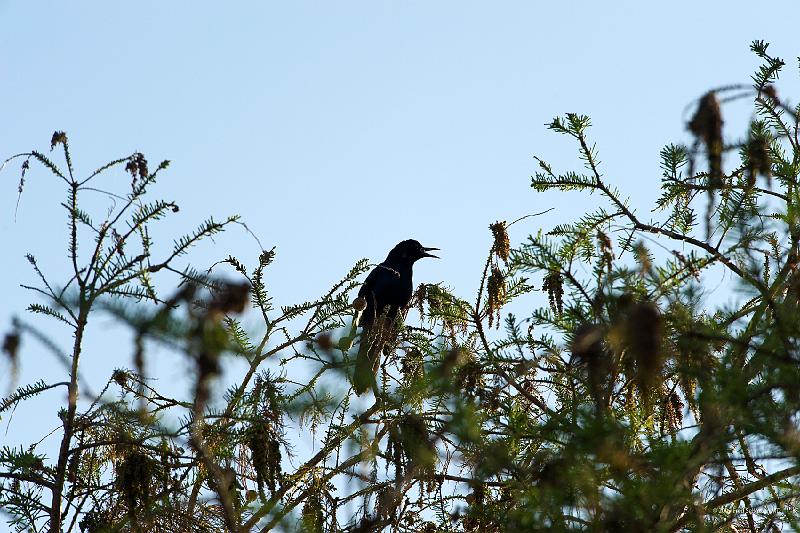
385 292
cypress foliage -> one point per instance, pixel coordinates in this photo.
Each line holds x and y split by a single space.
626 400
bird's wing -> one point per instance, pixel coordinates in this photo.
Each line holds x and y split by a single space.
367 291
368 352
369 283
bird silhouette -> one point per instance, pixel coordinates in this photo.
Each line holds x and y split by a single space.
387 290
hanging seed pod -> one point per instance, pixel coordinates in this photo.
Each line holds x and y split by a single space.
412 367
644 329
11 345
394 451
673 412
72 467
257 439
554 286
468 375
588 351
706 124
311 515
416 443
496 287
135 474
386 503
758 159
230 298
266 455
276 475
95 522
420 297
606 260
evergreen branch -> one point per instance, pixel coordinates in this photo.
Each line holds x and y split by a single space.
27 391
343 434
49 164
207 229
49 311
666 232
738 494
32 260
181 246
73 235
30 478
706 188
103 168
138 224
344 466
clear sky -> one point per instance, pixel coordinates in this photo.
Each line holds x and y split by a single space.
337 129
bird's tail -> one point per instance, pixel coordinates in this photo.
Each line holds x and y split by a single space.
368 359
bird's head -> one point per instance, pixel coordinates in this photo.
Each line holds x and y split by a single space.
408 252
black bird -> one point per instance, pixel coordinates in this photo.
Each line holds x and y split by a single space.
387 290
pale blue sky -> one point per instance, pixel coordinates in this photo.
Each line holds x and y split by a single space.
304 117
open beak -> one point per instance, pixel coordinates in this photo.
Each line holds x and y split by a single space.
426 254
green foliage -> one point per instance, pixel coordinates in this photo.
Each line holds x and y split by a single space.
628 399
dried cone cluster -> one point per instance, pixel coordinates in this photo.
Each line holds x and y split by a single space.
137 166
501 246
59 137
418 448
410 447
